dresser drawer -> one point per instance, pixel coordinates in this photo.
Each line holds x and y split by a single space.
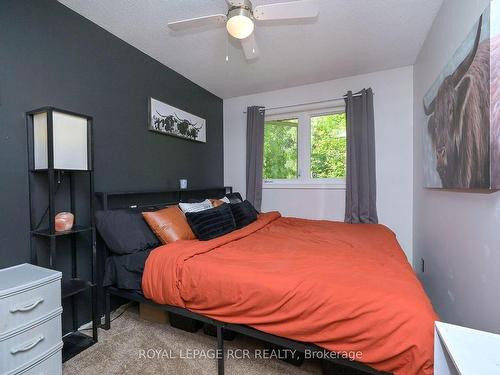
51 365
16 350
22 308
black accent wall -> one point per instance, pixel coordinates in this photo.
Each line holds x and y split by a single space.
51 56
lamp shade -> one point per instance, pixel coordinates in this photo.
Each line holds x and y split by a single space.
60 140
240 24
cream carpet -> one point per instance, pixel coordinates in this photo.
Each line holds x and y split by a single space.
126 349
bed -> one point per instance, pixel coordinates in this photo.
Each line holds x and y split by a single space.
308 285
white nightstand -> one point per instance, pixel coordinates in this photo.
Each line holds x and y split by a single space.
464 351
30 320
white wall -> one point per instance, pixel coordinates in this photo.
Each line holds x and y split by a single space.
458 234
393 104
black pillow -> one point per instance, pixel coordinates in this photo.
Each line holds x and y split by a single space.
125 231
211 223
234 197
244 213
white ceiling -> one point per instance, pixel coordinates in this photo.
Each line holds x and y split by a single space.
349 37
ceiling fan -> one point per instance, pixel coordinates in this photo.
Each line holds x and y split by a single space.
241 16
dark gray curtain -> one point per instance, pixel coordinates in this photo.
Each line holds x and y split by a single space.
255 154
361 194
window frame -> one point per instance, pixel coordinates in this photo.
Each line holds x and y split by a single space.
304 181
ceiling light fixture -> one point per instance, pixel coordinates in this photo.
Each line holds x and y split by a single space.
241 16
240 21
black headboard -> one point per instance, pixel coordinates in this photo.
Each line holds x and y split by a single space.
142 199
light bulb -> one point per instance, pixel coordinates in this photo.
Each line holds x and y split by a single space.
240 24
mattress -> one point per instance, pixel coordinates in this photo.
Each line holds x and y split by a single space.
347 288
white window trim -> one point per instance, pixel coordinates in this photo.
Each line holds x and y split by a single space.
304 152
321 184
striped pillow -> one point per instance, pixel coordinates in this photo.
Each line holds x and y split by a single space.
244 213
234 198
196 207
211 223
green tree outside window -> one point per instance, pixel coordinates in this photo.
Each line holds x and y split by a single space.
328 146
327 153
280 149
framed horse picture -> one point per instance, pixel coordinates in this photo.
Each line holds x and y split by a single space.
166 119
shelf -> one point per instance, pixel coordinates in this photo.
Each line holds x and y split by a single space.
75 229
49 187
75 343
61 170
173 191
74 286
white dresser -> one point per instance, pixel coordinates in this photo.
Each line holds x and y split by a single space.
30 321
465 351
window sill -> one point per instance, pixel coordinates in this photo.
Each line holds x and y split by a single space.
304 185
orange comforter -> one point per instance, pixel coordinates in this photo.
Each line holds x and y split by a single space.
341 286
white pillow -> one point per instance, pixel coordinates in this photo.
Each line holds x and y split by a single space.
225 200
196 207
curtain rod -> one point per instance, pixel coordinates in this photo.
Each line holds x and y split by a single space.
310 103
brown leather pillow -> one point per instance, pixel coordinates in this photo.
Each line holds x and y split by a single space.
216 202
169 224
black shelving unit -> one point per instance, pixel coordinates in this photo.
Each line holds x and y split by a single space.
73 286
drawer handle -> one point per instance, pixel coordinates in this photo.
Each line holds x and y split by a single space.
28 346
27 307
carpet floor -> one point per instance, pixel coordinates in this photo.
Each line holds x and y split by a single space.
136 346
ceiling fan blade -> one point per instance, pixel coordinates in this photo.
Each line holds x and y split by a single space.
250 47
290 10
213 20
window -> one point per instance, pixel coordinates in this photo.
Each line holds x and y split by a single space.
328 146
280 149
307 147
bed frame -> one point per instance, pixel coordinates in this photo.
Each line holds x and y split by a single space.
158 199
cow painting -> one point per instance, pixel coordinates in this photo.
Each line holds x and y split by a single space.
166 119
463 113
